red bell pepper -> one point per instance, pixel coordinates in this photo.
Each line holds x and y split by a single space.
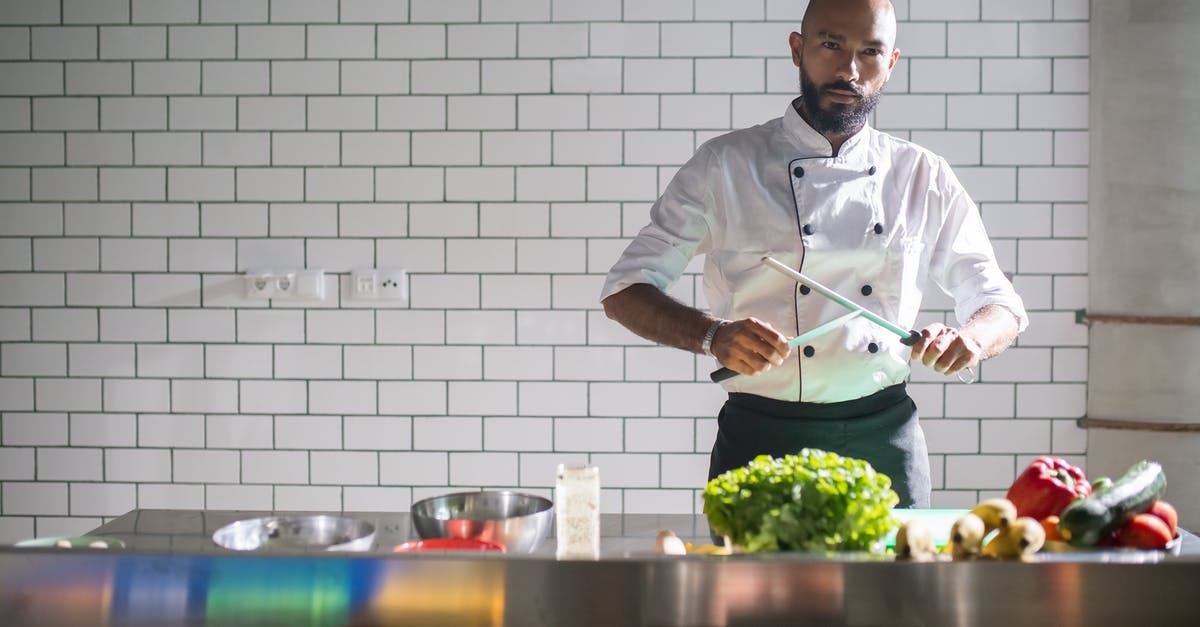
1047 487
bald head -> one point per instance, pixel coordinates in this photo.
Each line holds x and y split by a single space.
846 51
878 15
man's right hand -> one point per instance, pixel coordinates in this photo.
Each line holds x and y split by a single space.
749 346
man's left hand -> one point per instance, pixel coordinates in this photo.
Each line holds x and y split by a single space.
946 349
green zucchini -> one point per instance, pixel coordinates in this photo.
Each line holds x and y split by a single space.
1089 520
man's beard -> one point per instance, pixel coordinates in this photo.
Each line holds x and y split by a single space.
838 118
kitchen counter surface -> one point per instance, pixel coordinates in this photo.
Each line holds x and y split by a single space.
171 573
190 531
622 535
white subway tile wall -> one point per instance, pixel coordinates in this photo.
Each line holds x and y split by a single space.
503 152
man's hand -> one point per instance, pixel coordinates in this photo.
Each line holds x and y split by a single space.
945 349
988 332
749 346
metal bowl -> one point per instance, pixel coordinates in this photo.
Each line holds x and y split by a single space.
320 532
518 522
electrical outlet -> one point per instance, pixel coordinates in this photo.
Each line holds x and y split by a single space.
299 284
260 284
390 284
285 284
393 284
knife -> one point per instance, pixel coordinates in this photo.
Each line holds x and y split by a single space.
907 338
725 373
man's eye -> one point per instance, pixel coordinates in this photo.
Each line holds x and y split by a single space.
872 52
832 45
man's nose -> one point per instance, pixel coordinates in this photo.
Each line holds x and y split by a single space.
847 67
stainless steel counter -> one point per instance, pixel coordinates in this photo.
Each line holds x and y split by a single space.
190 531
171 574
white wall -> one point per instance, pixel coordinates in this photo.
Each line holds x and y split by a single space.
500 150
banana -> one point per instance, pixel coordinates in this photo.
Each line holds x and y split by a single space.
667 543
966 537
707 549
1028 534
995 513
914 541
1022 538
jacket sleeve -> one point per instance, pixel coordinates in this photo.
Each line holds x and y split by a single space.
963 262
680 226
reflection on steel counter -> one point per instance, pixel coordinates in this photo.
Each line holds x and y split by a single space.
172 573
86 587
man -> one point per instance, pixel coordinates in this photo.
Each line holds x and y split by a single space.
869 215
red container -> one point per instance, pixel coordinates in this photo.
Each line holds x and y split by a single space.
448 544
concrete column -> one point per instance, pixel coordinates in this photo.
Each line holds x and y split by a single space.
1144 239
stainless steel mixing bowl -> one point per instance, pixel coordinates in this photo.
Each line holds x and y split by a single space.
519 522
316 532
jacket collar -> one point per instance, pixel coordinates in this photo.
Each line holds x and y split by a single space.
814 144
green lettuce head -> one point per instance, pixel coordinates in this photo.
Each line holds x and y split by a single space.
811 501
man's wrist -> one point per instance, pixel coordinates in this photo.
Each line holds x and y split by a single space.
706 344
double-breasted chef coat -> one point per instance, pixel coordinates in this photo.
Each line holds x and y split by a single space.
881 223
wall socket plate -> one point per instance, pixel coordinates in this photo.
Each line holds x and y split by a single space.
289 283
388 284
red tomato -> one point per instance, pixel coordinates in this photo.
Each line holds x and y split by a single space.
1167 513
1145 531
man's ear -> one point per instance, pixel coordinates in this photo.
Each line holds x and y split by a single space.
892 62
796 42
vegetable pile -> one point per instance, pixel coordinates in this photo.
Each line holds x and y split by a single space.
811 501
1127 512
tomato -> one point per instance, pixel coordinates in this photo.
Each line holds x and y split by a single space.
1167 513
1145 531
1050 525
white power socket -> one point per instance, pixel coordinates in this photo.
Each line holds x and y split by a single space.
390 284
259 284
298 284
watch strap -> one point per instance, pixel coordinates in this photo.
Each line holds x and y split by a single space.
706 345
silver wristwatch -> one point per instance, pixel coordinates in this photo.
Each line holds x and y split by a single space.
706 345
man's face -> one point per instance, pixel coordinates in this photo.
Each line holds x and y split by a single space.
845 56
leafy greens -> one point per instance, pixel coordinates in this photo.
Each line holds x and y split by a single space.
811 501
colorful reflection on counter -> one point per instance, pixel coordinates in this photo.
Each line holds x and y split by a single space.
303 591
98 588
70 592
440 594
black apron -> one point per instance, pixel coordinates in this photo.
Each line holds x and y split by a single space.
882 429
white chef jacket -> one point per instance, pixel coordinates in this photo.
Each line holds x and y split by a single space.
878 223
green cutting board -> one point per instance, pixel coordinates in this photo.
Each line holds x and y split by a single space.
938 521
